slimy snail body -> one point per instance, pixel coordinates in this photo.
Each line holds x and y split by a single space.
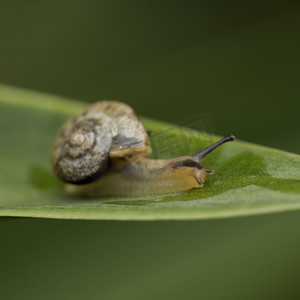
102 151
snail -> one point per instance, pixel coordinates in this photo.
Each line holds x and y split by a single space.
102 151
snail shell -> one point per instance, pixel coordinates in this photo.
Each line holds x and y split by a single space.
87 144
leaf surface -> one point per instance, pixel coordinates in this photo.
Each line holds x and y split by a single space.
249 179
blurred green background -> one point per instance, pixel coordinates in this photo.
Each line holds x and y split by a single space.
235 62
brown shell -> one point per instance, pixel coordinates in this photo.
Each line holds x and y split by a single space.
105 133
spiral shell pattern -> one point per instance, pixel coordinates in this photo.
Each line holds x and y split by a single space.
86 144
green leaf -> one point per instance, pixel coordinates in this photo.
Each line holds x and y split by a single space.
248 179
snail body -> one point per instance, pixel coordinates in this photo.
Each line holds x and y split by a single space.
102 151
